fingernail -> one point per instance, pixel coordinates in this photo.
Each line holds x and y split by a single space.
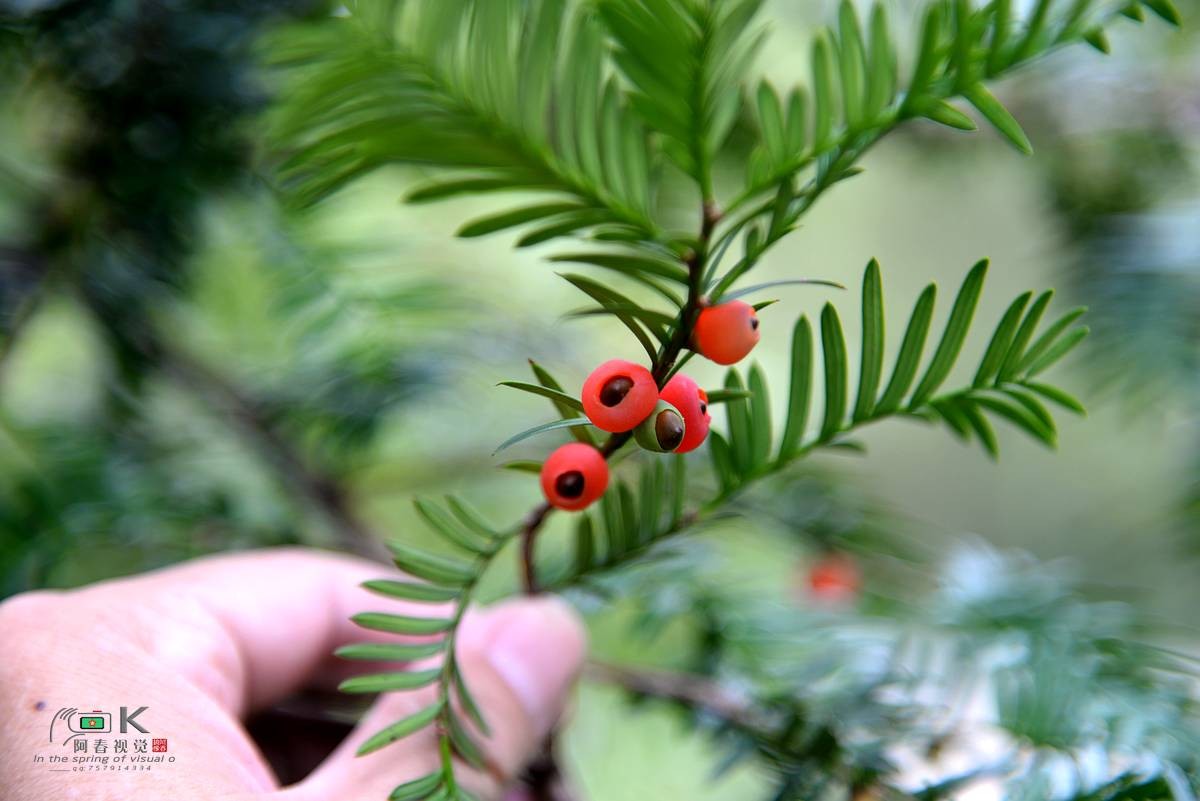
538 647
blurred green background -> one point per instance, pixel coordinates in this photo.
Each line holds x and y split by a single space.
369 340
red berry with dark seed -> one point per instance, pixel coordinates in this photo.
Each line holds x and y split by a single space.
835 579
727 332
692 402
574 476
618 395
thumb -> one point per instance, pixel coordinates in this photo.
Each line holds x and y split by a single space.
520 660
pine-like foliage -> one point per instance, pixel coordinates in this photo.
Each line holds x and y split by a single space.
832 699
591 107
448 580
114 171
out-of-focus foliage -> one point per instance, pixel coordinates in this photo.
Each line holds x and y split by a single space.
1126 187
136 140
1001 665
157 94
1134 219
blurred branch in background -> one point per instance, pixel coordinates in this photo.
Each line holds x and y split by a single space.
135 123
1121 172
21 279
1000 665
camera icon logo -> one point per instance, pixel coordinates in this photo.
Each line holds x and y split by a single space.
80 722
94 721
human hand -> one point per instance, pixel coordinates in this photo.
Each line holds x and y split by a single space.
203 644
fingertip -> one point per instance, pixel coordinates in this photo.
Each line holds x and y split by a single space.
536 646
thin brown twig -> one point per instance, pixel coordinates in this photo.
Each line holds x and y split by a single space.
696 692
710 215
27 305
323 492
543 777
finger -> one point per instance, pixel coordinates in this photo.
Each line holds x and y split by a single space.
251 628
520 660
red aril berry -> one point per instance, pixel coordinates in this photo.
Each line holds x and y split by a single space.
618 395
692 402
834 579
727 332
574 476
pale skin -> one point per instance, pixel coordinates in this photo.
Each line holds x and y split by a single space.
204 644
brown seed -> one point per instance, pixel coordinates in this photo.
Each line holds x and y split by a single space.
668 429
569 484
615 390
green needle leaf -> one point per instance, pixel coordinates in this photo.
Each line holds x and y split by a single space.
998 116
510 219
471 518
911 349
716 396
1057 351
468 702
562 225
523 466
585 545
629 265
823 93
1020 417
799 390
391 651
402 624
417 789
882 69
872 342
982 428
1166 10
553 425
473 185
738 417
388 682
655 321
559 397
928 53
945 114
450 529
564 411
431 567
1048 338
1034 407
409 591
615 302
465 745
400 729
1002 22
1098 40
1016 351
1001 342
722 458
760 417
1056 395
833 343
952 339
851 63
750 290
